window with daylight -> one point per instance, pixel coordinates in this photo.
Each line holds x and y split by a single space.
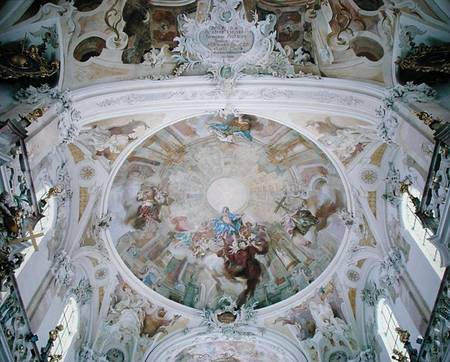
48 210
387 323
420 234
70 321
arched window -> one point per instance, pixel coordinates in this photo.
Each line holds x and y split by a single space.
42 227
387 323
420 234
70 321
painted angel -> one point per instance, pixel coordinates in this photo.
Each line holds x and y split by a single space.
225 132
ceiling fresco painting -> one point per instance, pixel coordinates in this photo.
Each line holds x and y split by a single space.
319 315
347 138
236 205
224 180
233 351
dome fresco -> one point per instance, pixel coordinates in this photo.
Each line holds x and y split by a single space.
235 206
223 350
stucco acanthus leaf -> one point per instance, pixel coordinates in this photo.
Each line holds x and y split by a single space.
63 182
347 217
357 229
409 93
392 194
371 294
328 97
87 354
135 98
63 270
98 224
368 355
407 35
393 182
68 116
154 60
82 292
301 56
390 270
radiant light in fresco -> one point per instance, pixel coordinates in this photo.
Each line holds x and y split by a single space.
227 192
237 206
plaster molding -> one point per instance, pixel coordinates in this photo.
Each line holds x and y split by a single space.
168 348
186 97
171 3
339 97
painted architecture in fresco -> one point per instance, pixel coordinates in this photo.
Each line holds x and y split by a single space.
224 180
235 205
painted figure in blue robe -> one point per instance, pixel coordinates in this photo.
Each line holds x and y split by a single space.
184 238
150 278
238 126
227 224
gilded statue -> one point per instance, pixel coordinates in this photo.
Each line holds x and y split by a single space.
10 215
25 62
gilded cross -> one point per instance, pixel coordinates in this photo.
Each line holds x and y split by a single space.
33 237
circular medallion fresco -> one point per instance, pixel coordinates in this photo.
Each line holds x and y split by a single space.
233 206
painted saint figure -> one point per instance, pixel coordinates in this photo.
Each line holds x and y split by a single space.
227 224
239 126
300 220
152 199
239 252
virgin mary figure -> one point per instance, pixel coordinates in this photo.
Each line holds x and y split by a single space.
227 224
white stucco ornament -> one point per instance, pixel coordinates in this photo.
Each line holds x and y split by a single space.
227 44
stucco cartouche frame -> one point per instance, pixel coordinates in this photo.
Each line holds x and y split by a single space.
183 98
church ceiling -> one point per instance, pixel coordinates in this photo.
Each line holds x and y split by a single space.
230 351
219 196
239 206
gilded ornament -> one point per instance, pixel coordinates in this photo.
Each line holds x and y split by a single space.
33 115
26 62
424 58
429 120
